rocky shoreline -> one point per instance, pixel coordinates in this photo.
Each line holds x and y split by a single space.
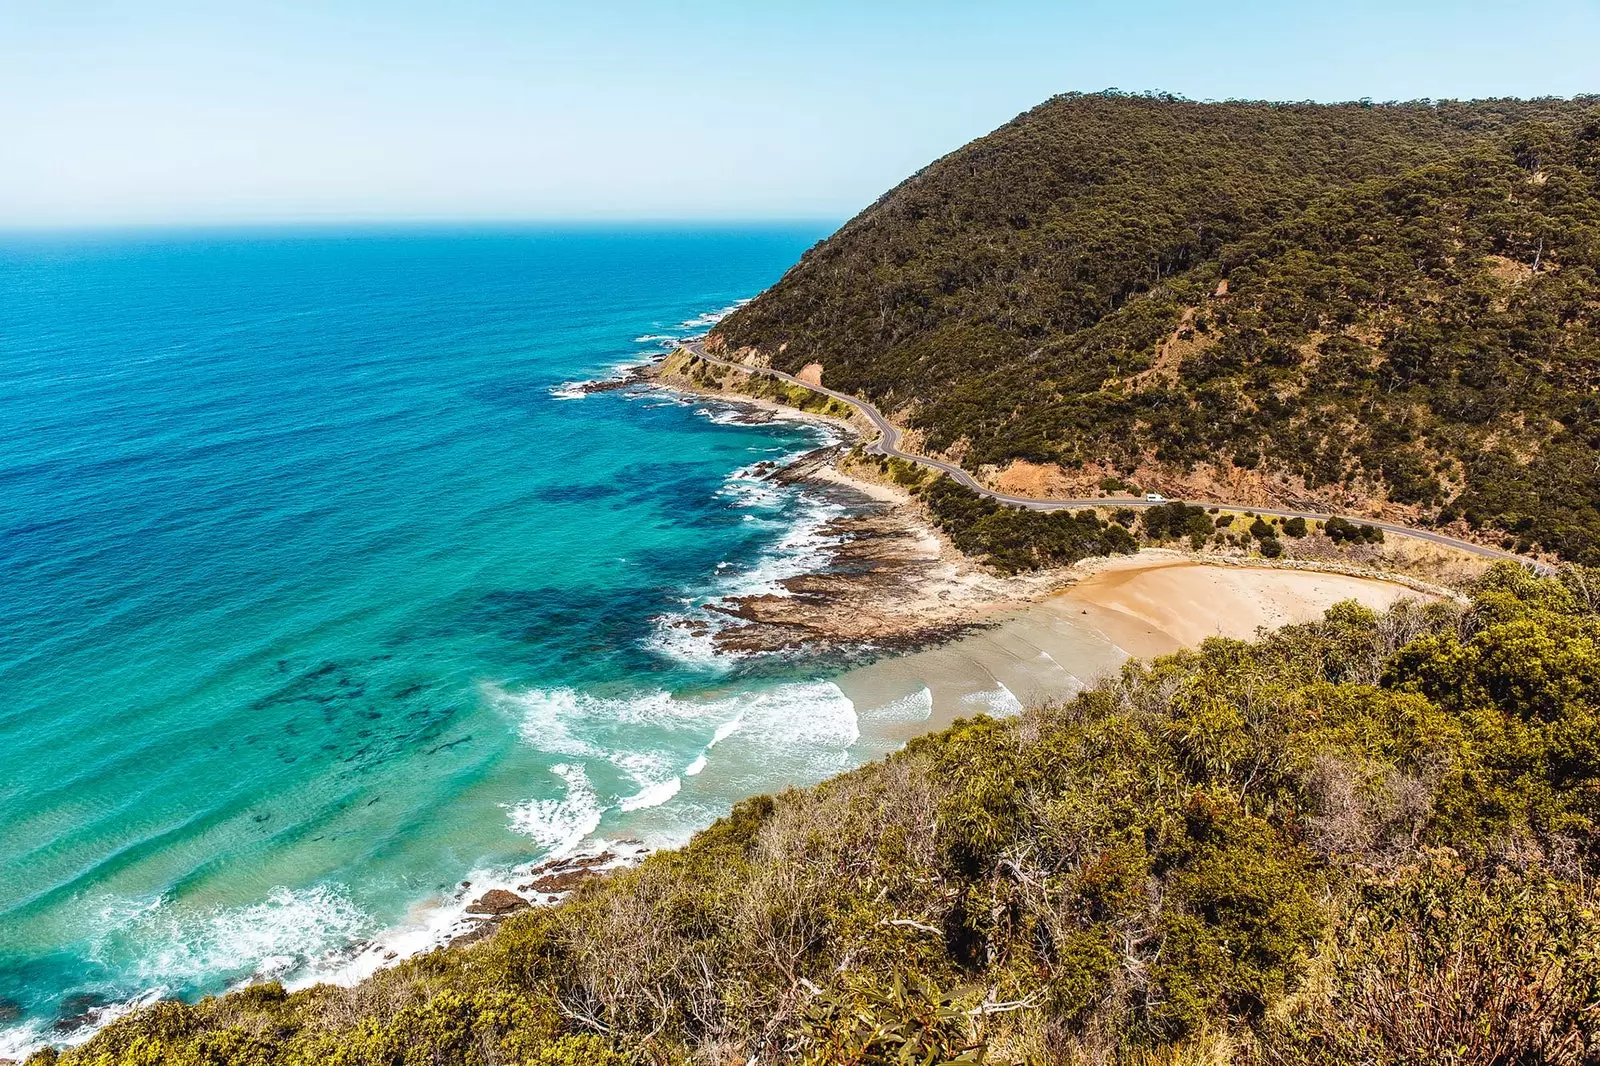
545 883
892 582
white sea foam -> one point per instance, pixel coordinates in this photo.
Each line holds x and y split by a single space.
753 494
913 707
286 932
1000 701
559 825
174 945
645 767
438 921
724 416
637 734
178 945
688 635
635 361
801 718
724 731
556 712
577 390
19 1041
787 732
652 796
795 730
711 318
543 716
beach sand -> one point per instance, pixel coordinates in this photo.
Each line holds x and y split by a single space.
1135 607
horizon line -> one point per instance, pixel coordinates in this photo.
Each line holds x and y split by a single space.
8 228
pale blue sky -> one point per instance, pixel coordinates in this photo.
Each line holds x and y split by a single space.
200 111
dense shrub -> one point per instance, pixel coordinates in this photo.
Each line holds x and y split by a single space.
1169 520
1013 539
1342 531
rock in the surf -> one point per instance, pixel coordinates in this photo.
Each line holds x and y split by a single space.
497 902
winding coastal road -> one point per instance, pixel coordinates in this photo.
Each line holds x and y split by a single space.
888 444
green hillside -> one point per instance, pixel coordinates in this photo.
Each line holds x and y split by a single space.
1364 840
1409 313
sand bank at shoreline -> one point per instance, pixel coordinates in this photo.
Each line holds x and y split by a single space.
1153 606
1139 606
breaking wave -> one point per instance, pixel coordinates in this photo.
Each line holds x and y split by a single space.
688 634
1000 700
559 825
639 749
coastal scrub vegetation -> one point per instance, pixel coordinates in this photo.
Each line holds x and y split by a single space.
1013 539
1366 304
698 373
1367 839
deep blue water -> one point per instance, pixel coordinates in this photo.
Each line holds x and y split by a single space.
319 592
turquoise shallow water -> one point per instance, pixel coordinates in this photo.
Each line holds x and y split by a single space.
323 589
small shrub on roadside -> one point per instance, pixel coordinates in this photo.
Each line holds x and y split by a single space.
1343 531
1168 521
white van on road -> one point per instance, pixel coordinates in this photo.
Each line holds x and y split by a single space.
1154 497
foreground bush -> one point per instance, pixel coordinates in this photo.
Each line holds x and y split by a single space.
1370 839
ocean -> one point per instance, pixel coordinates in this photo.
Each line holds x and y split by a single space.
324 587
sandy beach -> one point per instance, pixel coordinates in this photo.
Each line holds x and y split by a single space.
1150 604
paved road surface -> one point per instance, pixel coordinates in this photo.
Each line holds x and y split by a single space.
888 444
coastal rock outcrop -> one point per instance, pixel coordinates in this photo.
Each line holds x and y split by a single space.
497 902
891 583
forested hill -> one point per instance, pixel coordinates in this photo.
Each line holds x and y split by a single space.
1408 321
